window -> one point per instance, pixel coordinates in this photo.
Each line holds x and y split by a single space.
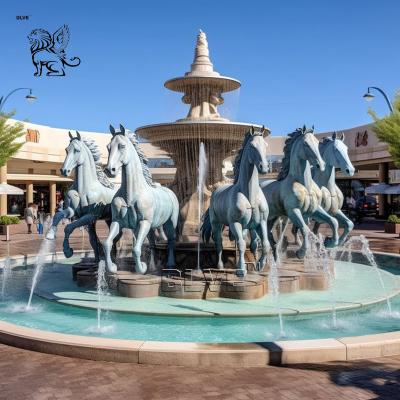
161 163
32 135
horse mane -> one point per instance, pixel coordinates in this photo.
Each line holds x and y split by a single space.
324 143
238 159
101 176
289 142
143 159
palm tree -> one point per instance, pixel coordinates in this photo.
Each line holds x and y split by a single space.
387 129
9 133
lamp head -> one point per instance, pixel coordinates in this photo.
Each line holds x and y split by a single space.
30 97
368 96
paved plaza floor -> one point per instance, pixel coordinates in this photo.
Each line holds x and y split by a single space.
35 376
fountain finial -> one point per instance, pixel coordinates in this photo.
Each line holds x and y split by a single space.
202 64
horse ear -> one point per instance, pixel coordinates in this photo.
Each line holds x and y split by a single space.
78 135
334 135
112 130
312 129
252 130
342 137
70 135
122 129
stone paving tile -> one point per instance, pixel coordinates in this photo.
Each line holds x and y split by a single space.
30 375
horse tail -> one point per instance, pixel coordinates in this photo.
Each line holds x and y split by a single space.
206 228
231 236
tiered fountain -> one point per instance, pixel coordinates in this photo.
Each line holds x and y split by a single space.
146 308
203 88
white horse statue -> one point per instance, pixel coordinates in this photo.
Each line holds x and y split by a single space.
294 194
140 204
241 205
89 197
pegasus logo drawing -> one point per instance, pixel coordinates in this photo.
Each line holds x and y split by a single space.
49 51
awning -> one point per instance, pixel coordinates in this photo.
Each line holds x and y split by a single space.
380 188
5 188
393 190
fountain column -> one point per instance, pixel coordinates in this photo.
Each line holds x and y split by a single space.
202 89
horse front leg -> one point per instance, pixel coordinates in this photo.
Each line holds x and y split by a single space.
272 242
69 229
144 228
58 217
263 233
169 230
236 229
296 217
346 224
108 244
217 236
320 215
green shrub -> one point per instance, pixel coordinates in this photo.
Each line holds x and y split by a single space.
8 220
394 219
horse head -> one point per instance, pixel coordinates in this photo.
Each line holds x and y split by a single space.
117 154
257 154
336 154
309 151
74 154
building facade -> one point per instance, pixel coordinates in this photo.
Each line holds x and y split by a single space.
36 167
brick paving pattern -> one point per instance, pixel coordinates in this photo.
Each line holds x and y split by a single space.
35 376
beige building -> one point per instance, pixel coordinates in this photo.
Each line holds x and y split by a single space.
36 167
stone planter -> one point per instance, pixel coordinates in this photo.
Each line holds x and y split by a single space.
391 227
8 230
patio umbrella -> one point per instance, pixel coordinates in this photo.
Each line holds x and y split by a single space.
5 188
393 190
380 188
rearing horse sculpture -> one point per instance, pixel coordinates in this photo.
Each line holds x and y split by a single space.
335 153
242 205
140 204
294 194
89 197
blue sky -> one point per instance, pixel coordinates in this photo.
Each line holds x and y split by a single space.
298 61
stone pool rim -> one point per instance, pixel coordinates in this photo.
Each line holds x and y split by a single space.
201 354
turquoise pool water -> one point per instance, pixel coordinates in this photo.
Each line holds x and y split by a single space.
52 316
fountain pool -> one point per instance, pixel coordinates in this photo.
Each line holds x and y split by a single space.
62 306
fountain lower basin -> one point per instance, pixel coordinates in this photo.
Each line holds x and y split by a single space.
220 326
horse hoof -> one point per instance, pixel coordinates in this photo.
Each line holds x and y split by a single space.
112 268
50 235
329 243
260 266
241 273
68 252
142 269
300 254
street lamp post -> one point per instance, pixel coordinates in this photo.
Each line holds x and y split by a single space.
30 97
3 170
383 166
370 96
